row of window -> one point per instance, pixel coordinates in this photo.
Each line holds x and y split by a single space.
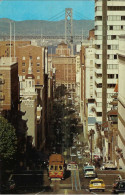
24 64
23 70
116 8
109 37
109 76
99 85
109 47
111 27
109 57
109 66
111 18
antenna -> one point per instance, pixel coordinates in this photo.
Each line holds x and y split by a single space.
10 42
14 40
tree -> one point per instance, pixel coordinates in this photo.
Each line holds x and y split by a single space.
8 140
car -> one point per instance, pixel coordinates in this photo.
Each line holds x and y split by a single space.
72 166
89 171
119 187
97 184
110 165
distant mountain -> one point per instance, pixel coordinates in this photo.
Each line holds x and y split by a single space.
37 27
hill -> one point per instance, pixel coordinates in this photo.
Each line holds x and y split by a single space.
37 27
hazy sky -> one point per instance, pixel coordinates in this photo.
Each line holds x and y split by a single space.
45 10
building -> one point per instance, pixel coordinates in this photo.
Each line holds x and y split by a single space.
65 71
5 48
29 104
121 102
63 50
115 27
39 63
36 54
9 90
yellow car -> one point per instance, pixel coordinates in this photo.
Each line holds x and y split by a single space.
96 184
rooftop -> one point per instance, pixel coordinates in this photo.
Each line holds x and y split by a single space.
7 61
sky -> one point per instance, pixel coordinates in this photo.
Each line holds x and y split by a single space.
51 10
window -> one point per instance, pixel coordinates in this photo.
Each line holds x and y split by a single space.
91 77
122 17
38 77
113 37
38 64
99 113
38 58
109 46
111 86
38 70
31 57
23 70
115 56
23 58
110 27
99 85
51 168
110 76
23 64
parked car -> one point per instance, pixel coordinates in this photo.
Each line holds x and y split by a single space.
110 165
119 187
97 184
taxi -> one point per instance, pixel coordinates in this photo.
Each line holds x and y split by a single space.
96 184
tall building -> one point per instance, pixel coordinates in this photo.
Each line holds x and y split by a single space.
121 102
29 104
8 84
115 27
39 63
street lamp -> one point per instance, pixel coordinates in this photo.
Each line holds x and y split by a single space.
92 132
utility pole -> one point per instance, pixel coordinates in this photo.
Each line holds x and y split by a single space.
104 61
92 132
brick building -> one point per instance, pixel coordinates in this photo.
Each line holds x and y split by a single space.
65 71
8 84
63 50
5 47
39 63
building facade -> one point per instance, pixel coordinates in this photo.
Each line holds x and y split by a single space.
9 90
121 102
115 27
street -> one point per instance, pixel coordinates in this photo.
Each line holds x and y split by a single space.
67 186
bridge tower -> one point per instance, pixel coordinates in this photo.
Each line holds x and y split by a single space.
69 28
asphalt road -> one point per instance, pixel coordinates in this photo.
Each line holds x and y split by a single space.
65 186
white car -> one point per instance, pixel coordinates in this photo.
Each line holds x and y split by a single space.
110 165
